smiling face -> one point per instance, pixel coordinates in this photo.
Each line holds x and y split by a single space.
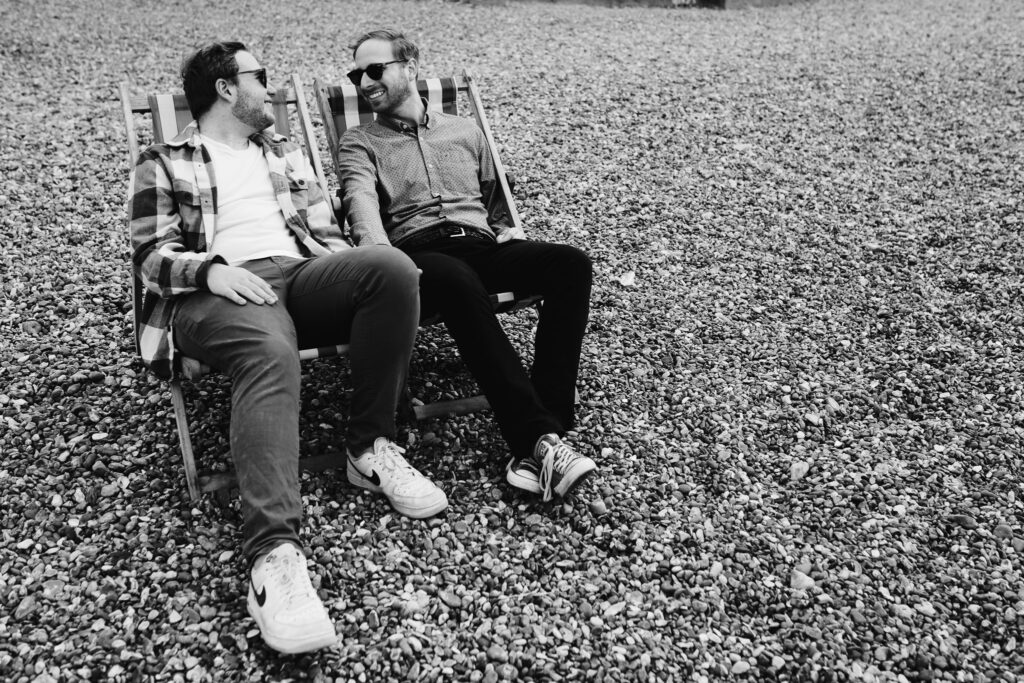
250 107
395 86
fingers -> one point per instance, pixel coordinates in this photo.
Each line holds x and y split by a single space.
254 293
240 286
510 234
259 291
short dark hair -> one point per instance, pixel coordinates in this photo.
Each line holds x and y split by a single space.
201 70
401 47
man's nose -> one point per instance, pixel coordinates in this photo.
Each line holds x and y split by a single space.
271 90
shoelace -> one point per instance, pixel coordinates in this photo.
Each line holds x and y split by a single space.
556 458
393 461
292 579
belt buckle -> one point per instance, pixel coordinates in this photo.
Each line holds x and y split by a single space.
460 233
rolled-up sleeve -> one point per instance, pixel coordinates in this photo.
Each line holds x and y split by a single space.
490 189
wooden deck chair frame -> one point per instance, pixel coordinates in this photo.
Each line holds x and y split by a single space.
341 107
170 114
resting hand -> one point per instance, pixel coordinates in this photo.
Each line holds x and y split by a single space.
239 285
506 234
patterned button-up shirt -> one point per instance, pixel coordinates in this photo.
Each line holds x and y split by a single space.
399 180
172 218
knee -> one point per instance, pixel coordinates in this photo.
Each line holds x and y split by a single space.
267 355
392 268
395 264
581 263
575 266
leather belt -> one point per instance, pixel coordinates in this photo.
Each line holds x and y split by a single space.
428 235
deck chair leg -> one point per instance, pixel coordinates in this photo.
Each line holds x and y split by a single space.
406 410
181 418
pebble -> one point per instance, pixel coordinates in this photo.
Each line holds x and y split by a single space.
25 607
965 521
497 653
903 611
798 470
449 598
1003 531
800 581
741 667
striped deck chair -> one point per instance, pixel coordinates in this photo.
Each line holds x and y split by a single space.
160 117
341 107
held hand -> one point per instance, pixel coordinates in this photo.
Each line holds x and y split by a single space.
239 285
506 234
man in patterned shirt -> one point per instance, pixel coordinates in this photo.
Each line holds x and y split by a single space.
236 245
425 183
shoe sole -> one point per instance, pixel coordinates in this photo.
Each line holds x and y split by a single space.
356 478
574 477
522 483
291 646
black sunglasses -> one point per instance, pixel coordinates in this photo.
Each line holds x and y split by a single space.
260 74
374 71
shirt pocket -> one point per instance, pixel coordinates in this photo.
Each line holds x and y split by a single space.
298 188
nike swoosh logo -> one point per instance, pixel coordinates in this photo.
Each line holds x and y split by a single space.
261 595
373 477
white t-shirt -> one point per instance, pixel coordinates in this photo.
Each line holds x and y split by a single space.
250 224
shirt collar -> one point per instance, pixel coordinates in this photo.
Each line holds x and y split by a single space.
189 136
429 120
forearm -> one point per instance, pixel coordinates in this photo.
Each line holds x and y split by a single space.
167 270
497 208
363 212
360 202
498 215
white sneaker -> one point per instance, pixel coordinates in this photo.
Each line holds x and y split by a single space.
288 611
383 469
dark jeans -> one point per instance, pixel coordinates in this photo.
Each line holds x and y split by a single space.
366 297
458 275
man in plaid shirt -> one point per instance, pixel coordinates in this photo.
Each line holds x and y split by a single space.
237 247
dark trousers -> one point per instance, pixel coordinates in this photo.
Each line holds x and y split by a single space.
459 273
365 297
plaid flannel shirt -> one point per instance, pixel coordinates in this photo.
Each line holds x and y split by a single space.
172 219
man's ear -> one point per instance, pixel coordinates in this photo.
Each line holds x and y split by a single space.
225 88
413 67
